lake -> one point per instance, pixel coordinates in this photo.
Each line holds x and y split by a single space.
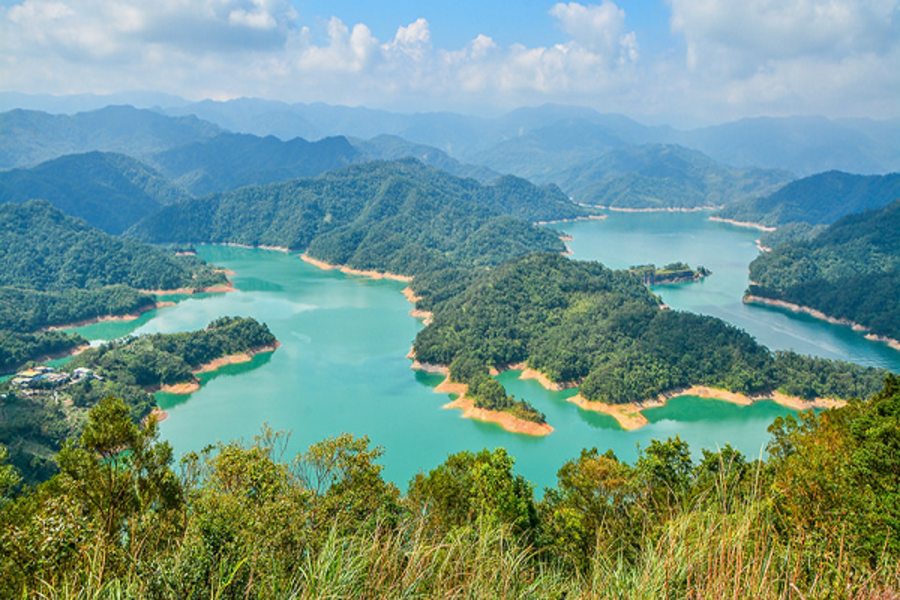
342 366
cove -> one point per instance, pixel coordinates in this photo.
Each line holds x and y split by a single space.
342 365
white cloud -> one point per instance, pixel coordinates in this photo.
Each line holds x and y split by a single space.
747 57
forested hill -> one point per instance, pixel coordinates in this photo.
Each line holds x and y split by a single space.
581 322
31 137
109 191
399 216
43 249
230 160
392 147
850 271
664 176
819 199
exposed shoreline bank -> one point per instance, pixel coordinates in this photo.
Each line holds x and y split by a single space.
467 405
818 314
105 318
189 387
573 219
347 270
630 417
746 224
671 209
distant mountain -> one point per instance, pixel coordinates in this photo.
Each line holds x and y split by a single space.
30 137
849 271
541 154
392 147
230 160
664 176
818 200
399 216
109 191
802 145
75 103
254 116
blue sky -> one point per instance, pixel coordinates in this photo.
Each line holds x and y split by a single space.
679 61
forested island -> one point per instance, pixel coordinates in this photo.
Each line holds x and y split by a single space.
579 323
43 408
850 272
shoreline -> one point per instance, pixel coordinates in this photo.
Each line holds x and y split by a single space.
573 219
105 318
348 271
216 289
818 314
260 247
507 421
189 387
652 210
746 224
630 417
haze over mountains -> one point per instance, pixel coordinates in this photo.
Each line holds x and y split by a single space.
802 145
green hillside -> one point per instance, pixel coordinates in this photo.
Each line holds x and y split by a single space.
579 322
109 191
230 161
850 271
397 216
664 176
56 270
819 199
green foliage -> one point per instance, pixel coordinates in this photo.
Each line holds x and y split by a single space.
109 191
849 271
818 519
820 199
470 488
677 272
35 424
838 474
49 251
24 310
399 216
16 349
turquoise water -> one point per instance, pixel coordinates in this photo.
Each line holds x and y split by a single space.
342 365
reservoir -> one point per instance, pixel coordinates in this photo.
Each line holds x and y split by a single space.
342 366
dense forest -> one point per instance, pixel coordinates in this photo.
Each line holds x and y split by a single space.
56 270
581 322
18 348
849 271
818 518
110 191
398 216
39 416
818 199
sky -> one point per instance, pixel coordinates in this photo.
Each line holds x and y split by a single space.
674 61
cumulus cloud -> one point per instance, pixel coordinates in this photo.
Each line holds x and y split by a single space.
743 35
755 55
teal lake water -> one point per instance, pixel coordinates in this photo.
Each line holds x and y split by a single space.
342 365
